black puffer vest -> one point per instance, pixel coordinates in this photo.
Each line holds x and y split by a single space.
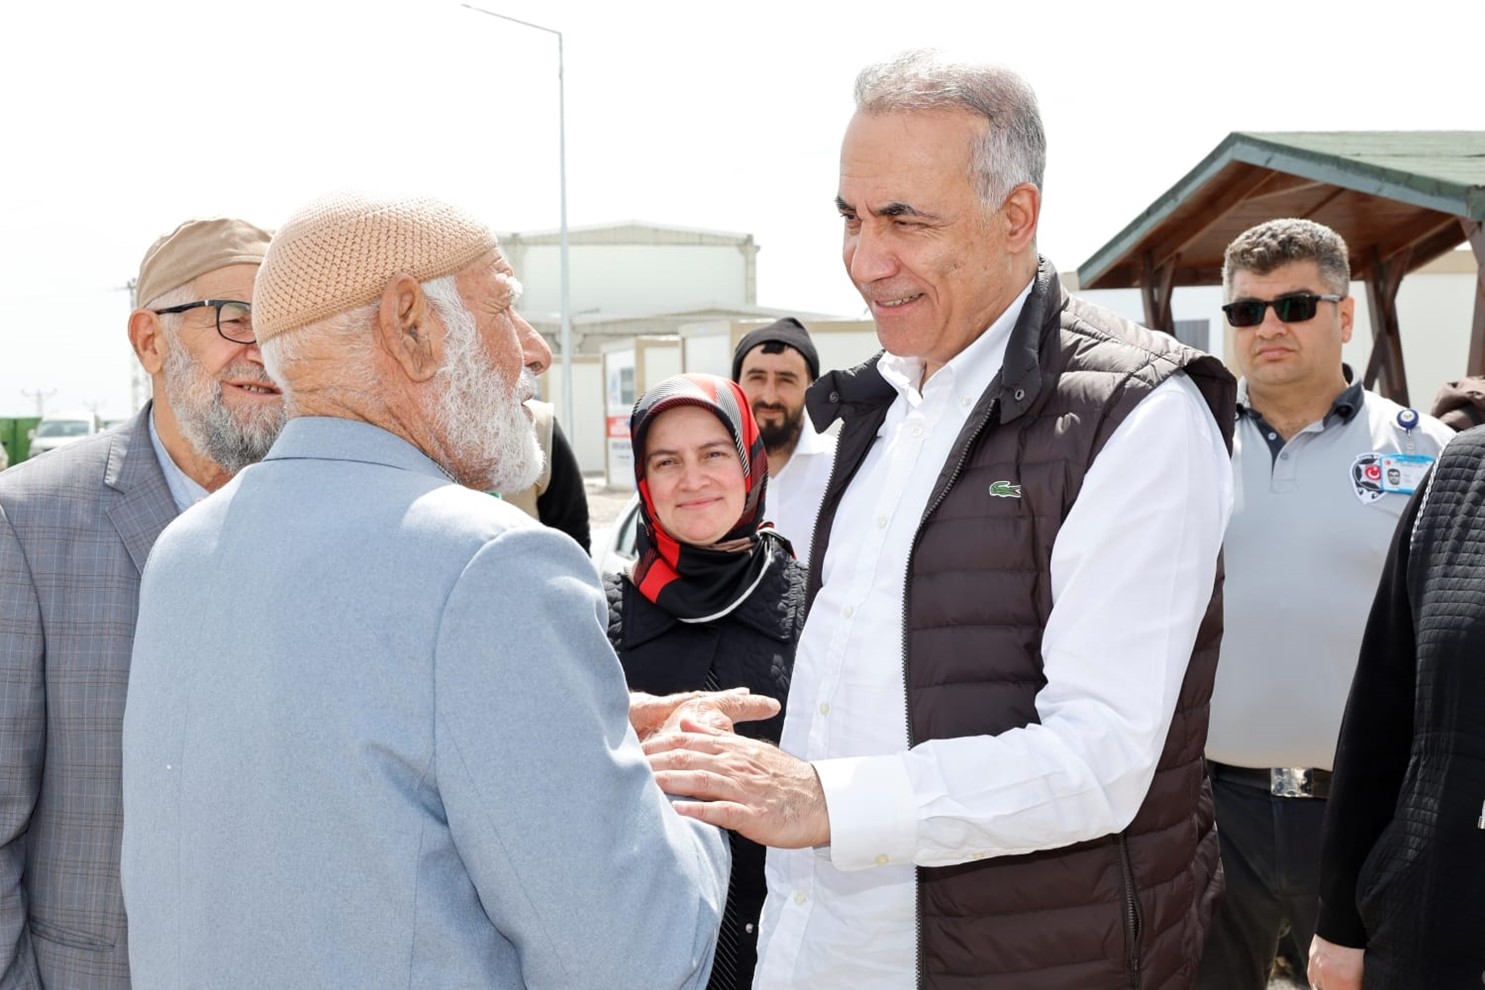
1126 910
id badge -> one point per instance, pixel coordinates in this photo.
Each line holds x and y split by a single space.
1403 473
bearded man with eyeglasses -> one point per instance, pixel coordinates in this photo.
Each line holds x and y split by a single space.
76 525
1322 470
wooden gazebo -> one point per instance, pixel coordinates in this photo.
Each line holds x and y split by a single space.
1399 198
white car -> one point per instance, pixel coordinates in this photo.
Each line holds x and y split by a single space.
614 547
60 429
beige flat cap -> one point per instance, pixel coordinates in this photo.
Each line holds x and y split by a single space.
195 248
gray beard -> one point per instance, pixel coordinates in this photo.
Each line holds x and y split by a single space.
231 440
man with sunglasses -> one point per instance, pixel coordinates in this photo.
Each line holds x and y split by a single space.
1322 471
75 528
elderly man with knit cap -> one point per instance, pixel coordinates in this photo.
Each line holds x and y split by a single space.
75 528
376 736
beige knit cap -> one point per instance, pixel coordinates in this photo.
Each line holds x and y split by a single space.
195 248
341 251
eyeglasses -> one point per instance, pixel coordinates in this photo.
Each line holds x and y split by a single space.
234 318
1296 307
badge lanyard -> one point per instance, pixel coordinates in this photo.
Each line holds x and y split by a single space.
1403 473
1408 420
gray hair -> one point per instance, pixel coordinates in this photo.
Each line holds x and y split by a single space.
1014 148
178 296
349 334
1276 243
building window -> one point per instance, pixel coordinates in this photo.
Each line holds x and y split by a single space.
1195 333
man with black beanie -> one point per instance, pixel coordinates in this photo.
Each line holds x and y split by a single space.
774 365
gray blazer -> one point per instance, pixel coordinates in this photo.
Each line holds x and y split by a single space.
76 525
376 737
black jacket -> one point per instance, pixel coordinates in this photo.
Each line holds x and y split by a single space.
751 647
1402 863
564 503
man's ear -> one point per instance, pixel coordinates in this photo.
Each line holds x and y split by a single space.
1021 210
406 331
1346 308
147 338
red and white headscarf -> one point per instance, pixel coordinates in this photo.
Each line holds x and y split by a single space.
692 583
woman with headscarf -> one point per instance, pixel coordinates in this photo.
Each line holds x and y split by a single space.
713 601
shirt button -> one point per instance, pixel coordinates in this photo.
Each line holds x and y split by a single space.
799 897
1284 456
824 708
917 431
848 611
1273 436
881 522
966 402
748 928
882 859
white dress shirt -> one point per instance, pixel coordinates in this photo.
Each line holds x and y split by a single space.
1132 570
184 491
794 494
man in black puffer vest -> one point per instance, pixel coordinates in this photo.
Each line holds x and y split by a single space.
995 728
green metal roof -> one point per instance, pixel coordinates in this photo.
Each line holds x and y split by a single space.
1384 191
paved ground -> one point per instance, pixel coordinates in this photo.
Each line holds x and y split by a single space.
604 506
1280 982
604 503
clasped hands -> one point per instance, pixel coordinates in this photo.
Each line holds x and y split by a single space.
751 787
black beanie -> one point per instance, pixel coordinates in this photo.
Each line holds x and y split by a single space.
786 331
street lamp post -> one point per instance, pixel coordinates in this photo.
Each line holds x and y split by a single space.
566 339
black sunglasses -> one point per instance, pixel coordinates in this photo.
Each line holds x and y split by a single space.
234 318
1296 307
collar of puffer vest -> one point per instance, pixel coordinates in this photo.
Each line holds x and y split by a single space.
844 392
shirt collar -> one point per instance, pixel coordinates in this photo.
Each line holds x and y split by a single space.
1345 406
184 491
1348 403
971 370
810 441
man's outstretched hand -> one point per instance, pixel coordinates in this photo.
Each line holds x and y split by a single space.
747 785
717 710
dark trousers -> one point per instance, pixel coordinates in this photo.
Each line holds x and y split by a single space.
1271 859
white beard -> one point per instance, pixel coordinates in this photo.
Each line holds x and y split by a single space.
486 431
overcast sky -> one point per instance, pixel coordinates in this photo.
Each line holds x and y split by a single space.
122 119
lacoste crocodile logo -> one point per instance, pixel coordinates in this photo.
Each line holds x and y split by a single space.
1004 489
